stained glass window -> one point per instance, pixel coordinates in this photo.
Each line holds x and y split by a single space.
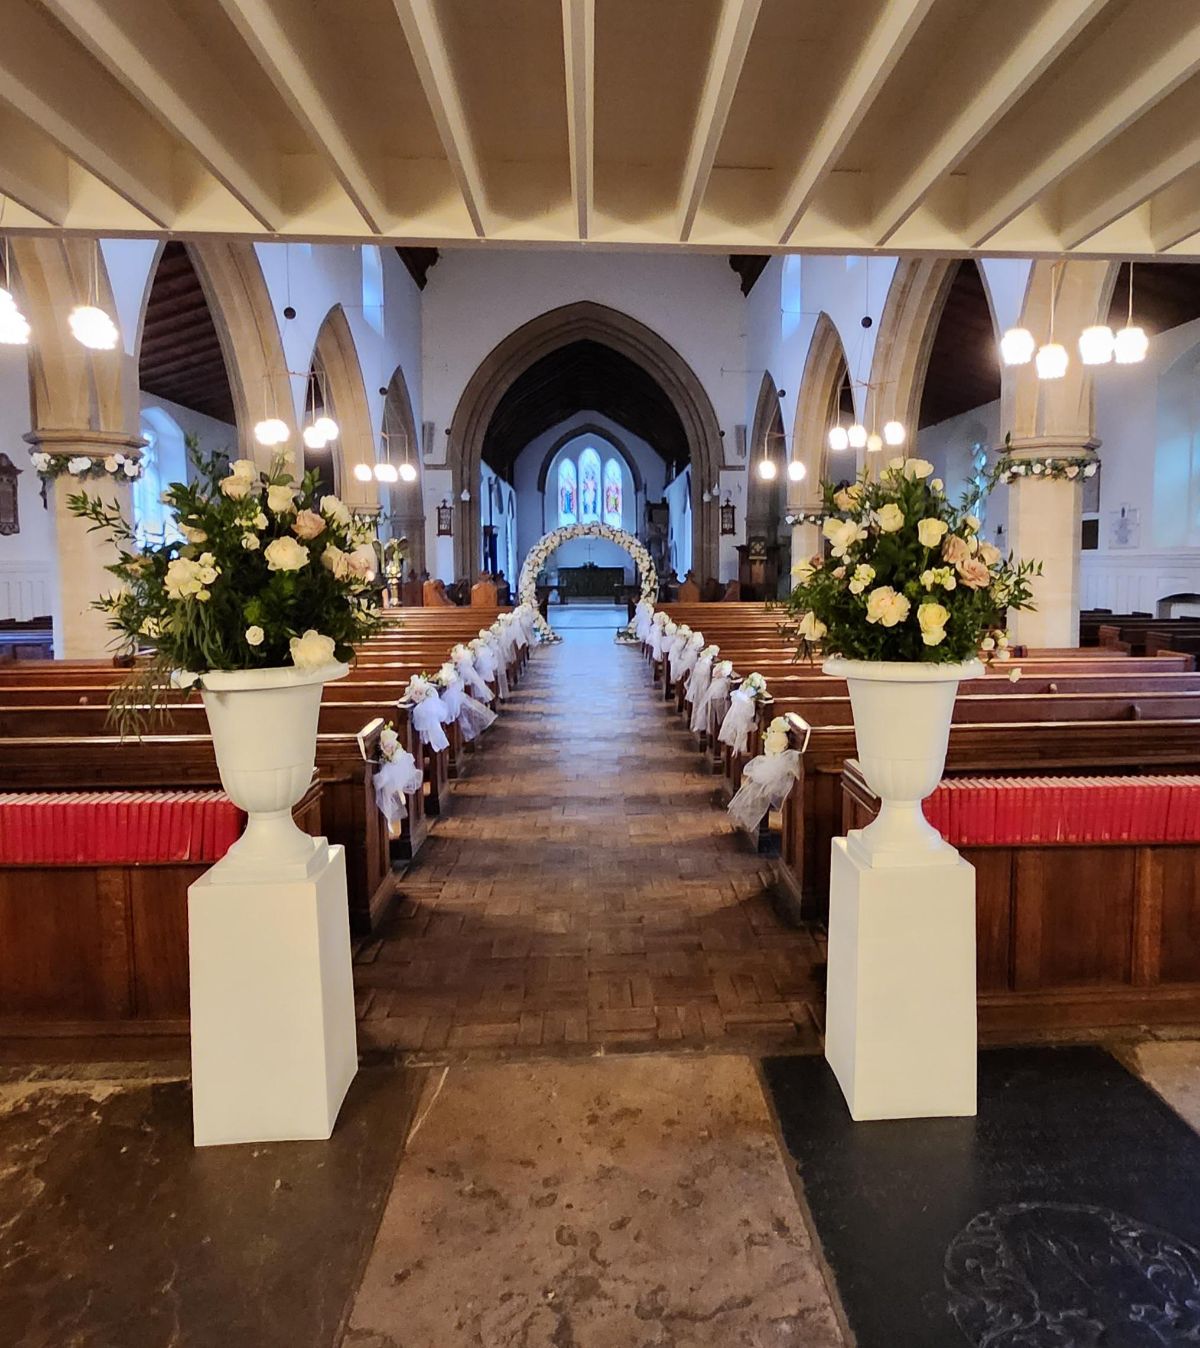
568 494
612 493
589 487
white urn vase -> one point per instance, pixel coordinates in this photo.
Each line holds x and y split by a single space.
264 730
902 713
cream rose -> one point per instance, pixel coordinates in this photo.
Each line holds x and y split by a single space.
255 636
335 509
989 555
933 619
917 468
281 498
849 497
312 650
863 576
244 468
974 574
285 554
842 535
973 523
931 532
812 628
308 524
335 560
886 607
236 488
890 517
251 542
362 562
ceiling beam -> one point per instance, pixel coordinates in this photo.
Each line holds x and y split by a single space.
301 89
1155 152
1175 211
161 65
992 96
894 29
33 170
579 65
48 78
1116 81
735 27
428 48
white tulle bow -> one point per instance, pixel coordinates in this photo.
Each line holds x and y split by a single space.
470 677
428 716
474 718
766 783
452 696
712 704
397 778
739 721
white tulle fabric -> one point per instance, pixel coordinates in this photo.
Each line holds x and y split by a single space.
484 660
685 661
428 716
697 685
499 661
712 705
675 650
397 778
451 694
473 717
471 680
738 721
766 783
643 618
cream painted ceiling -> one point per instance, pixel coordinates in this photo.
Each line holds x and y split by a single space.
957 126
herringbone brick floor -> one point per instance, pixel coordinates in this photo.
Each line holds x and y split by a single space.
586 890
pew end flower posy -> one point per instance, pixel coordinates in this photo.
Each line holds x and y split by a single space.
909 578
268 573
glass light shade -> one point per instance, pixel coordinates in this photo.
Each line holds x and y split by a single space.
272 431
1016 346
797 471
386 472
1130 346
92 327
14 327
766 470
874 442
363 472
408 473
1052 361
1096 345
856 436
893 433
838 439
706 497
328 427
464 495
313 439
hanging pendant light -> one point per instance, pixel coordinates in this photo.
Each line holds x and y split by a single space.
1016 346
857 436
408 473
1130 344
272 431
363 472
1096 345
894 434
874 442
14 326
838 438
1052 359
796 471
767 470
90 325
327 427
313 439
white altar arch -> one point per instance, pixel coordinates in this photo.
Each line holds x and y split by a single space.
548 544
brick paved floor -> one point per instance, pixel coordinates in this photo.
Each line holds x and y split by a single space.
586 890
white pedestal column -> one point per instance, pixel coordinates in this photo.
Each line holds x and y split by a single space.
274 1045
900 1026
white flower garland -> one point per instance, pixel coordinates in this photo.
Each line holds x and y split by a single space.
542 551
1067 467
83 467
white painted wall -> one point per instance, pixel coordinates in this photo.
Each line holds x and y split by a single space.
951 445
27 559
679 524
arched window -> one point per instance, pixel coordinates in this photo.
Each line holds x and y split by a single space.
589 487
568 494
612 494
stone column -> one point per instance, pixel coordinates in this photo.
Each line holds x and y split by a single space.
1044 525
806 538
81 632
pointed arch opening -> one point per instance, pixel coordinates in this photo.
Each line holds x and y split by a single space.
341 389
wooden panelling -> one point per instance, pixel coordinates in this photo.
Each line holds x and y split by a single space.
1178 882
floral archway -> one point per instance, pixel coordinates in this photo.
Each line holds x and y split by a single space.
546 546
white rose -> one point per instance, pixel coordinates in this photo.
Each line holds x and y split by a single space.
281 498
917 468
937 484
933 619
335 560
973 522
931 532
285 554
842 535
40 461
259 521
131 468
255 636
989 554
886 607
361 562
891 518
312 650
863 576
79 464
110 464
236 488
389 742
812 628
251 542
335 509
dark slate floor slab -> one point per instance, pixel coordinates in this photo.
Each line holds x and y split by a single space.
116 1233
1067 1215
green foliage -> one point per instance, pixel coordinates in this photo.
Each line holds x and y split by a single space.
200 602
908 578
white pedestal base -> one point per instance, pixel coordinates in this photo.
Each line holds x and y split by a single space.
900 1029
274 1046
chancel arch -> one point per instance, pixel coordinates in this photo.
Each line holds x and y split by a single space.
571 354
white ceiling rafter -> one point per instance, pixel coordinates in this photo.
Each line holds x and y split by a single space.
579 63
428 47
735 28
1034 52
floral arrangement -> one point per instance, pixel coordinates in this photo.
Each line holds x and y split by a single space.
267 573
1065 468
775 741
544 549
754 683
817 517
83 467
908 577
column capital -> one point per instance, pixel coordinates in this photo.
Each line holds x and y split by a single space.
1050 446
86 443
